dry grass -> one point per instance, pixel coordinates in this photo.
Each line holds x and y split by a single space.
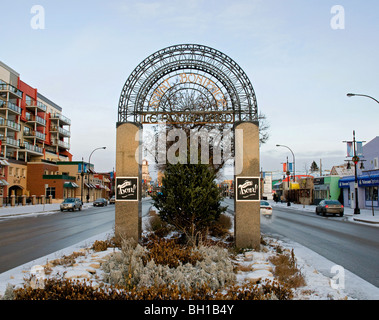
286 269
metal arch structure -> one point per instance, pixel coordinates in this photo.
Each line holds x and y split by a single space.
223 72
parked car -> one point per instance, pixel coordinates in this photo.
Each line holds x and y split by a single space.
100 202
112 200
330 206
266 209
71 204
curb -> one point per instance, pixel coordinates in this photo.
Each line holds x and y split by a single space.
366 221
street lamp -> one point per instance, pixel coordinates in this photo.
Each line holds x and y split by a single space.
355 158
361 95
293 156
89 168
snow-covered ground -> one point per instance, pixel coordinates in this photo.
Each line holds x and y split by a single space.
324 280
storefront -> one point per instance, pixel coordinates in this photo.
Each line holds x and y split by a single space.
326 188
368 185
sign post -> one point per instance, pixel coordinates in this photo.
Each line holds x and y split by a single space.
247 186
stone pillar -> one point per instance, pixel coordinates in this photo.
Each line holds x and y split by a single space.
128 205
13 200
24 200
246 186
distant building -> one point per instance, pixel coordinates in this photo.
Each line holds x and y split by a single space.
32 130
368 179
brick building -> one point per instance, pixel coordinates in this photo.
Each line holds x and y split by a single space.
32 130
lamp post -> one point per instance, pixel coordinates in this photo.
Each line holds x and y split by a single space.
294 176
361 95
293 156
355 159
89 168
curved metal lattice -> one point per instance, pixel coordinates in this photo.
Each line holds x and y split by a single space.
209 73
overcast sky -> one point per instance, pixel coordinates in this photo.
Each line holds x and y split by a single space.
301 56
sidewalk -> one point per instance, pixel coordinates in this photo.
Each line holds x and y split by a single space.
37 209
365 216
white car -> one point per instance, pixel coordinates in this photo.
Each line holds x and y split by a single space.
266 209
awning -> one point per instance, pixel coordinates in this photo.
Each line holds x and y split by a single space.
345 182
368 180
3 183
4 162
70 185
294 185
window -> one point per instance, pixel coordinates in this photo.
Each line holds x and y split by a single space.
50 191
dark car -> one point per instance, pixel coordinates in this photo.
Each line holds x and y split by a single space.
100 202
330 206
71 204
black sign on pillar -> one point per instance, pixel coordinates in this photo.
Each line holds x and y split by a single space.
127 189
247 189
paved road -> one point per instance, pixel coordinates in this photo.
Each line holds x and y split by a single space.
352 245
24 239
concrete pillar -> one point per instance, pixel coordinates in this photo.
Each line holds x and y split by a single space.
24 200
247 184
13 200
128 217
34 199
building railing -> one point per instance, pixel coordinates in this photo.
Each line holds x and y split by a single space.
64 132
61 117
24 200
10 105
10 124
8 87
11 141
35 104
32 147
40 120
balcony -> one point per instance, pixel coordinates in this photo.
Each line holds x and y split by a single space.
6 87
9 124
62 132
10 106
32 148
10 142
62 119
32 119
28 133
60 144
32 104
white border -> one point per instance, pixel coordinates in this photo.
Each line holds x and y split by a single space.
137 188
236 189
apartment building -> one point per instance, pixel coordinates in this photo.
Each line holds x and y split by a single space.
32 129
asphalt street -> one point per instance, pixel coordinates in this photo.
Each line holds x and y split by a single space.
26 238
351 245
